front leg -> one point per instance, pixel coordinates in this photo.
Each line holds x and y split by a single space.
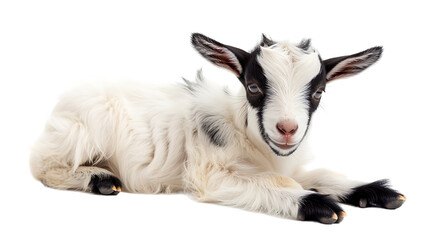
376 194
272 194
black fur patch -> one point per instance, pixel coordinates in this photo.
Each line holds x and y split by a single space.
104 184
266 42
376 194
254 74
304 44
319 81
212 126
319 208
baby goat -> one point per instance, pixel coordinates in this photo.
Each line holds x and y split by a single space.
244 150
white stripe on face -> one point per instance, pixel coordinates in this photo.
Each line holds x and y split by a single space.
289 71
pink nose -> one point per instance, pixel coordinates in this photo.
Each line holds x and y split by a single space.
287 127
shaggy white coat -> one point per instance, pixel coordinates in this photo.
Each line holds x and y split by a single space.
150 137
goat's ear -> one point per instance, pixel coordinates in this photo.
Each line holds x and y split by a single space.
231 58
350 65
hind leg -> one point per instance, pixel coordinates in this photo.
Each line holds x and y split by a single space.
64 158
74 154
85 178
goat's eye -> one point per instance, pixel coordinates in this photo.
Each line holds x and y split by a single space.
253 88
318 94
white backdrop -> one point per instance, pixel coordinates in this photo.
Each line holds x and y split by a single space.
371 126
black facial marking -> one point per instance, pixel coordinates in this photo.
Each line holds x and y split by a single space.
212 127
255 75
318 82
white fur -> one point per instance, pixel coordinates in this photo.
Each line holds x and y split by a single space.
150 138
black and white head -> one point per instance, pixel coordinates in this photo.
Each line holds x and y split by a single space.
284 83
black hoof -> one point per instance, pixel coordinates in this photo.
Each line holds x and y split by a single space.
320 208
376 194
105 184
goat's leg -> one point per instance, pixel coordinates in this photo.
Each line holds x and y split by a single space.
375 194
276 195
85 178
64 158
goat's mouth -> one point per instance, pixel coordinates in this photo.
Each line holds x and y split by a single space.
284 145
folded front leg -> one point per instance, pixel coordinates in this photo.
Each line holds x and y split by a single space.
375 194
271 194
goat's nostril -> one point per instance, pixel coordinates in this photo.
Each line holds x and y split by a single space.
280 128
287 127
